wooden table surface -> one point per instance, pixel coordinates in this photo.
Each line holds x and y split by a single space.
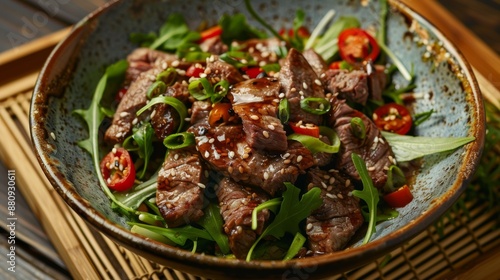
24 21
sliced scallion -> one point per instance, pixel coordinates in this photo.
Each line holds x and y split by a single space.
155 89
322 106
179 140
358 128
284 110
168 76
172 101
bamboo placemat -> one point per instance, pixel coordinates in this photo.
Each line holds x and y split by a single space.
461 241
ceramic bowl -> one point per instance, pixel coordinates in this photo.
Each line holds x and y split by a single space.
445 83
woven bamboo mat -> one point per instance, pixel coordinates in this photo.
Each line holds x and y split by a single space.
462 245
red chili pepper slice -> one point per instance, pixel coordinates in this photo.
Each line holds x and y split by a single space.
220 111
210 33
399 198
393 117
118 170
356 45
121 93
311 130
194 71
252 72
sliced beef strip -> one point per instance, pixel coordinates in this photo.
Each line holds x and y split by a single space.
256 102
236 205
144 59
331 226
181 182
377 80
350 85
214 45
317 63
217 70
132 101
263 51
226 150
298 80
373 149
164 118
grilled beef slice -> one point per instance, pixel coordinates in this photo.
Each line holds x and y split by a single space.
317 63
181 182
373 149
236 205
256 103
217 70
331 226
226 150
164 118
298 80
132 101
263 51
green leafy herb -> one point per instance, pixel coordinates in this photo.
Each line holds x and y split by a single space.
178 235
236 28
202 89
264 23
174 26
327 45
151 234
297 244
291 213
395 179
419 118
271 204
407 147
319 29
93 116
369 194
143 137
133 198
315 145
213 223
284 110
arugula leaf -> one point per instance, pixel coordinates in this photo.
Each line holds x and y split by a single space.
178 235
213 223
297 243
134 197
93 116
143 137
236 28
408 148
291 213
174 26
327 46
369 194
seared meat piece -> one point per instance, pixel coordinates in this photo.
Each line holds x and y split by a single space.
181 182
226 150
217 70
200 111
323 159
263 51
132 101
144 59
331 226
164 118
298 80
317 63
214 45
350 85
256 102
377 80
236 206
373 149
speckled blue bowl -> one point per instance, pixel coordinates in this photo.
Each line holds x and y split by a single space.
70 75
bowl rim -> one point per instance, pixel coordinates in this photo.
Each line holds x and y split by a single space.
125 237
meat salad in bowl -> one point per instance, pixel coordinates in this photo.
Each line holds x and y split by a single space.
248 141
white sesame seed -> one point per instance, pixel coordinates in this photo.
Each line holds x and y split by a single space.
176 156
201 185
203 75
304 85
317 81
271 127
124 114
231 154
266 175
254 117
211 141
331 195
135 121
207 154
53 135
339 195
113 150
309 226
175 63
299 158
265 133
153 114
281 95
324 185
347 182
